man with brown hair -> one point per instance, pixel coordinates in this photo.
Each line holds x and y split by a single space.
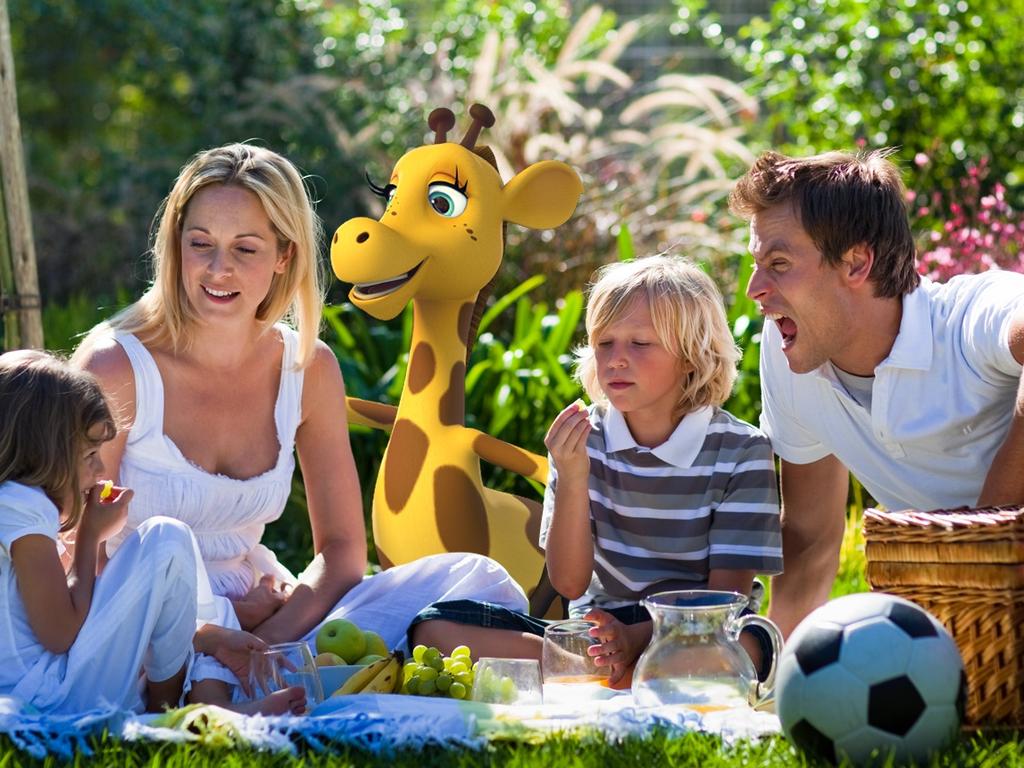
866 367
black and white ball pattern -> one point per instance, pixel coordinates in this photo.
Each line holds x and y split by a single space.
870 673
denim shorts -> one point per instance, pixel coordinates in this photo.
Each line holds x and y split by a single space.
490 616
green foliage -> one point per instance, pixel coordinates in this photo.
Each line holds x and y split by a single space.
115 95
939 78
515 388
746 321
65 324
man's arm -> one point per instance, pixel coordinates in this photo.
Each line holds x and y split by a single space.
813 520
1004 483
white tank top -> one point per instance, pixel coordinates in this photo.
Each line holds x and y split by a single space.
227 515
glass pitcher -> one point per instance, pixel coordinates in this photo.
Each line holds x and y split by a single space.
694 657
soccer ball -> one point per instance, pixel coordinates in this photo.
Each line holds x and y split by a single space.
870 672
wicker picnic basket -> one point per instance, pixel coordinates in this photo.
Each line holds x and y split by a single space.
966 567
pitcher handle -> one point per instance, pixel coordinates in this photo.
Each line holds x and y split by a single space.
764 689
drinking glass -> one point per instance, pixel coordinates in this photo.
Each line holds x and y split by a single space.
570 672
283 665
507 681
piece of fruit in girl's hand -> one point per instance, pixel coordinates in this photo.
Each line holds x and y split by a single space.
107 490
580 405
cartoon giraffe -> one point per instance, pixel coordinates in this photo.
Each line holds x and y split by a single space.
439 244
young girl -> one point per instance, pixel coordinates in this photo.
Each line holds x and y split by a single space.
654 487
72 642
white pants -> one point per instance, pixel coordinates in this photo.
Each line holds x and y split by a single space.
388 601
142 616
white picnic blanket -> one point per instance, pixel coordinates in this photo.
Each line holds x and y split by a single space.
377 722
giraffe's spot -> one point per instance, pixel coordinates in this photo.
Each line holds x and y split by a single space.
378 413
421 367
335 237
471 237
461 513
508 456
465 318
453 402
532 522
394 213
383 559
406 452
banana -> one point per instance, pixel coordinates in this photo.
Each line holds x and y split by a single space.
360 679
382 676
386 680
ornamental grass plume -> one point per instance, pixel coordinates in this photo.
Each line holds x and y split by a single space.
977 233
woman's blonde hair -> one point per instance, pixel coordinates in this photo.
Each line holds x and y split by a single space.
688 316
46 411
164 314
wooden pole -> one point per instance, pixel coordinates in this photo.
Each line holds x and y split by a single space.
23 306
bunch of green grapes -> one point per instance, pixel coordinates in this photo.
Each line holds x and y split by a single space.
429 673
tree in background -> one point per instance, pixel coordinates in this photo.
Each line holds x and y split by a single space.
941 78
115 95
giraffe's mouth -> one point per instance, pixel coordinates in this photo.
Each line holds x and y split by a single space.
384 287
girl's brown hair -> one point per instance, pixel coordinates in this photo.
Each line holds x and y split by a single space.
46 411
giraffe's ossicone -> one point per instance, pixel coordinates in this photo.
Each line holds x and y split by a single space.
439 244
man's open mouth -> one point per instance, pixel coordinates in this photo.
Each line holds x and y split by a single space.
384 287
786 326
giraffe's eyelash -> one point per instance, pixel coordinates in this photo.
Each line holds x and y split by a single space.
384 192
460 187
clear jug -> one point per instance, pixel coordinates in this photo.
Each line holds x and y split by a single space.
694 657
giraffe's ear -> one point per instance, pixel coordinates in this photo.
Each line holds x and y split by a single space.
541 196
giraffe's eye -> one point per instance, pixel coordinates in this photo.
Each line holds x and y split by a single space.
446 199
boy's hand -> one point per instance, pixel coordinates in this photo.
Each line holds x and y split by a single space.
566 441
619 645
102 518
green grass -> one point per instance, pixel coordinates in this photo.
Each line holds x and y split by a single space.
696 750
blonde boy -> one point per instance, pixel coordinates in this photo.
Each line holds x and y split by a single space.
655 486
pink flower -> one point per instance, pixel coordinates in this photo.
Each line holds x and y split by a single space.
972 232
920 159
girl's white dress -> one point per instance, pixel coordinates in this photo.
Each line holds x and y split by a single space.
142 615
228 516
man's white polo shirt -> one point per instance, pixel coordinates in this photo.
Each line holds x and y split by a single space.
941 402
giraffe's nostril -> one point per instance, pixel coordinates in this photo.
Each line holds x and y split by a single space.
362 237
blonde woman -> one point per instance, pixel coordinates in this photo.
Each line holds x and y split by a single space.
654 486
221 394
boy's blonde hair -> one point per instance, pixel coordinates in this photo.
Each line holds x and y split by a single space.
164 314
688 316
46 411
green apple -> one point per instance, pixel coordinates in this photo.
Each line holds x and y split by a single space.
328 659
368 658
342 637
375 643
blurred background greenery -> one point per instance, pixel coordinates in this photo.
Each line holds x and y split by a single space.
659 105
